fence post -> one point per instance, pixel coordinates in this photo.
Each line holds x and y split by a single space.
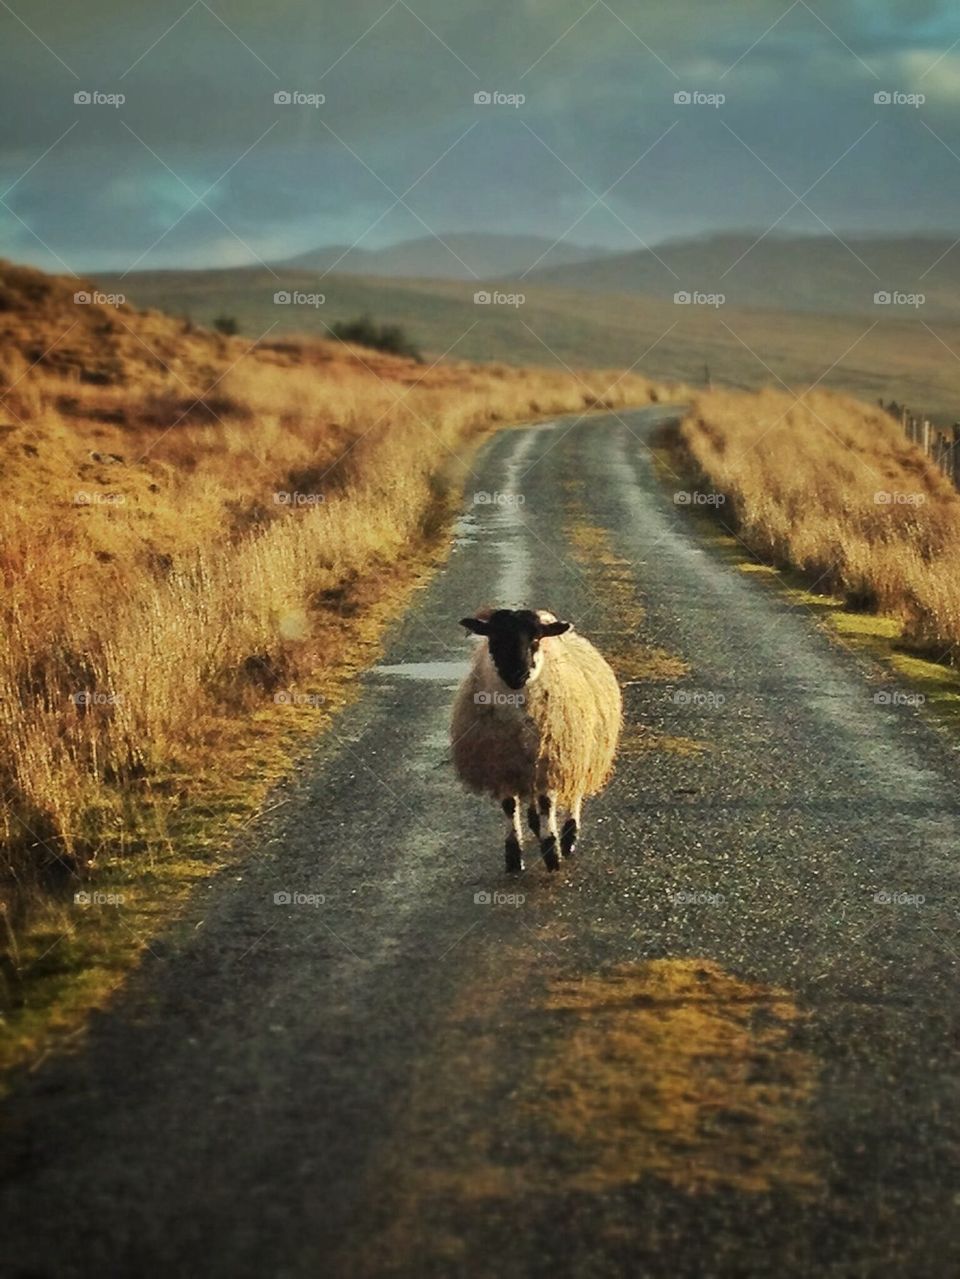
941 444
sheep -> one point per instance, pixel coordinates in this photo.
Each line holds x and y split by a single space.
536 723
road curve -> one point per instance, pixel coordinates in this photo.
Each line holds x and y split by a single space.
721 1042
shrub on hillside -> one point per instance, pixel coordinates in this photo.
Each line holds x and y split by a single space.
381 337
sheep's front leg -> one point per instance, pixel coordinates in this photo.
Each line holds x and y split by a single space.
513 848
571 829
533 818
549 843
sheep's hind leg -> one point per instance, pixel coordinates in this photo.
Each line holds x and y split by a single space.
571 829
549 845
513 848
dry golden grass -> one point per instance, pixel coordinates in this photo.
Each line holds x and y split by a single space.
155 588
744 347
833 487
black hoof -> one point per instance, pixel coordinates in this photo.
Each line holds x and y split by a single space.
551 854
513 858
568 837
533 820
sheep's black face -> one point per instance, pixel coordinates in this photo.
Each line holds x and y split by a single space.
514 639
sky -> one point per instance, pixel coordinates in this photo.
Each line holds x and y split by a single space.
200 166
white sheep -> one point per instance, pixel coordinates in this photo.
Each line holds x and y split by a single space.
536 723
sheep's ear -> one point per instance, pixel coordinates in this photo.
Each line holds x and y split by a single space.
555 628
475 625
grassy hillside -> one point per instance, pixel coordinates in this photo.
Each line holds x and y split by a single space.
899 358
793 273
835 489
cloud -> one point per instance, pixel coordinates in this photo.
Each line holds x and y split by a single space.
399 84
929 71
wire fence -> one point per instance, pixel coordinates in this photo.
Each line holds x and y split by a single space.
940 443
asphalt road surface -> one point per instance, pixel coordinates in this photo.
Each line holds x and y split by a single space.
722 1041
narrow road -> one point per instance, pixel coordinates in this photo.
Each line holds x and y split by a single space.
721 1042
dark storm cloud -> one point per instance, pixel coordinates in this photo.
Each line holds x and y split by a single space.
120 185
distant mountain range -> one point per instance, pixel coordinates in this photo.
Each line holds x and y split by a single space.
749 269
790 273
800 309
894 352
458 256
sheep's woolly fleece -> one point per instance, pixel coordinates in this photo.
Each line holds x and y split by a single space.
561 740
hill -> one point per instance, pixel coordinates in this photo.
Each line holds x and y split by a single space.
457 256
791 273
890 353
